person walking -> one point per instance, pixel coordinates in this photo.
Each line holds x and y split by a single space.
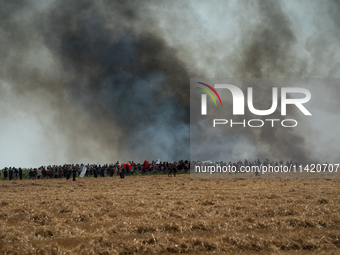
122 172
20 173
174 170
95 172
39 173
115 171
16 172
34 174
74 173
102 171
10 173
5 173
170 170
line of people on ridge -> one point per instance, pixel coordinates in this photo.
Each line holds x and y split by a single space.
65 171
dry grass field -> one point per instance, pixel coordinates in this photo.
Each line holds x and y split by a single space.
157 214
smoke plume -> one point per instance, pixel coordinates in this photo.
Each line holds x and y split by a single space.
101 81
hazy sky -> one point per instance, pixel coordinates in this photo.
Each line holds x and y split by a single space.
101 81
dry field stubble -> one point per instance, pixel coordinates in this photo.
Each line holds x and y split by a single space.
157 214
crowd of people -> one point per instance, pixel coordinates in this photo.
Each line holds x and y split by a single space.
95 170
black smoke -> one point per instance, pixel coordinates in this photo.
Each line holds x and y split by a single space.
133 80
129 88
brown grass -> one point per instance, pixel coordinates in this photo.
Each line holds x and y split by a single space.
157 214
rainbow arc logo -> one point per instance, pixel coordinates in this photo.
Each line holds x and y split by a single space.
209 93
